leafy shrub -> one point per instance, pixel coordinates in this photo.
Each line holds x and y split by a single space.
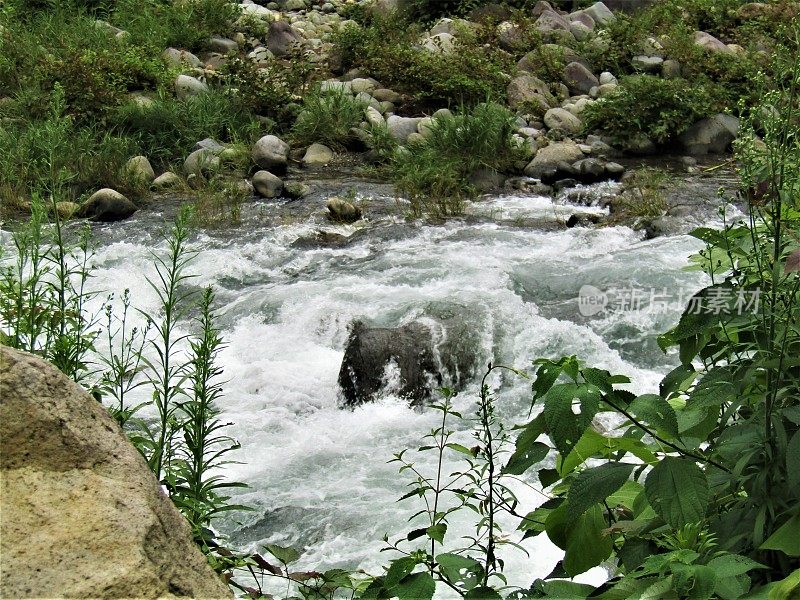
435 172
272 91
167 129
327 118
56 157
185 24
658 108
387 50
93 68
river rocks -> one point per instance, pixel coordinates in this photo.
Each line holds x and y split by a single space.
342 211
441 43
372 351
202 163
374 117
317 155
267 184
107 205
139 170
166 181
296 189
579 79
670 69
385 95
83 516
527 91
559 118
600 13
402 127
709 42
66 210
186 87
550 21
281 37
713 135
647 64
549 158
222 45
487 180
271 153
181 58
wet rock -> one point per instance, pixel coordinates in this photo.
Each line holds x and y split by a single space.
267 184
549 158
422 356
66 210
710 136
201 163
342 211
271 153
640 145
486 180
83 516
107 205
296 189
325 239
317 155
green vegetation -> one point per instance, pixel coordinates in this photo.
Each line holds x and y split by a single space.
435 172
387 49
659 108
327 118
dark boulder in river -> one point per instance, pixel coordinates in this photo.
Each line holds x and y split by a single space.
410 361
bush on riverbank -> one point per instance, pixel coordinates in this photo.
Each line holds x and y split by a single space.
660 109
435 172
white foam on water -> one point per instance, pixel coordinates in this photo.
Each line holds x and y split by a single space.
318 474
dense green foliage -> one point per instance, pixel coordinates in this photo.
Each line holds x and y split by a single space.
327 118
660 109
435 172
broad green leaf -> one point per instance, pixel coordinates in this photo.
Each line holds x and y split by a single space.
546 376
535 520
436 532
660 590
528 451
417 586
284 555
603 379
655 412
628 587
677 489
626 495
793 462
568 410
587 546
676 380
786 538
589 444
399 569
461 570
482 593
787 589
595 485
460 448
567 590
731 565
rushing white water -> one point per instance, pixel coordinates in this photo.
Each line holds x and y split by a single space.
318 474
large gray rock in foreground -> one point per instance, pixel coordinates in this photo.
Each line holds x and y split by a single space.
83 516
107 205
